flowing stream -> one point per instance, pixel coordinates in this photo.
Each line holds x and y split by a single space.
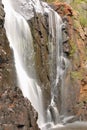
21 41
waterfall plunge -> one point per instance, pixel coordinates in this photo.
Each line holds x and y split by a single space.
20 38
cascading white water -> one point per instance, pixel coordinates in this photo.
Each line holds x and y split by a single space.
20 38
21 42
55 20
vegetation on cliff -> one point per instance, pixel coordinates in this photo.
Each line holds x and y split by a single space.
76 14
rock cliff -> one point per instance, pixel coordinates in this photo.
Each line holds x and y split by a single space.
77 33
74 48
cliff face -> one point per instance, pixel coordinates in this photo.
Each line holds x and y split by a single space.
16 112
39 29
77 32
74 47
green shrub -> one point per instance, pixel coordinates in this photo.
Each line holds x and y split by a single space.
73 48
76 75
83 20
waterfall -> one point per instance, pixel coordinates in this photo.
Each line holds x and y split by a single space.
20 38
57 38
21 41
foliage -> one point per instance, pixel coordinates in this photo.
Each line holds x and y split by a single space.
79 74
83 20
78 1
77 5
73 48
76 75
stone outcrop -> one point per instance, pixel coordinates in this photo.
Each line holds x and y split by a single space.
16 112
39 29
6 58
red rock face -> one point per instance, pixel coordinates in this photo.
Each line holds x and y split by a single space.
78 38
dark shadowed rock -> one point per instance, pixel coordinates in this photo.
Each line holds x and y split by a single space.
39 28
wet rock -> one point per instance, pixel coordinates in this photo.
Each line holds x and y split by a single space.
40 30
70 119
2 14
66 48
